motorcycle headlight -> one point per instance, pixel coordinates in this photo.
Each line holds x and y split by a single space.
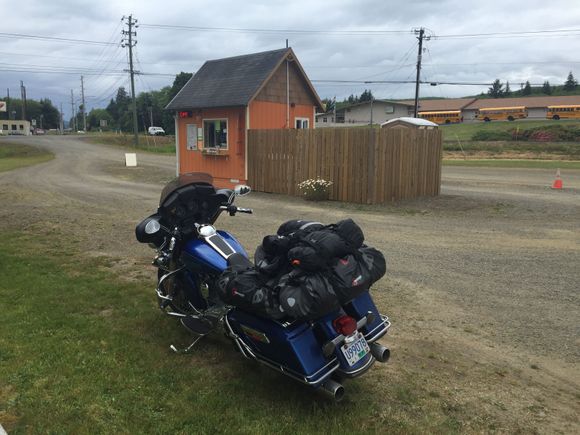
152 227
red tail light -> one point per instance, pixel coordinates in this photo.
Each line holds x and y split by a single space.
344 325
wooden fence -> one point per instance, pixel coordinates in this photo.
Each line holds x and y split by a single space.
366 165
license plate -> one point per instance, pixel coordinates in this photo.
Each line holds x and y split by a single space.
355 351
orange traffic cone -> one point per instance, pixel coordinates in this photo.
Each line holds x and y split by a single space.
558 181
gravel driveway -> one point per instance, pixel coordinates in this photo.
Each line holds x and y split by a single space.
482 280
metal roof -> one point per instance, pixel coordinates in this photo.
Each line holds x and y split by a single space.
525 101
440 105
412 121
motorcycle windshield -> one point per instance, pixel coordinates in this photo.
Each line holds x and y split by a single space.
184 180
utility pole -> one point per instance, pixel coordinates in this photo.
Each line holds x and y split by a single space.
371 110
61 120
83 103
8 103
150 117
74 117
421 33
23 95
130 42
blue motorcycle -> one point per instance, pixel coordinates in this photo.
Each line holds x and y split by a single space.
192 255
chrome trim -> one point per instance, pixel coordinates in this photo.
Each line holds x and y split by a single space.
162 279
248 353
308 380
372 335
360 370
174 314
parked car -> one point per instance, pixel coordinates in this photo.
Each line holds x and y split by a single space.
156 131
39 131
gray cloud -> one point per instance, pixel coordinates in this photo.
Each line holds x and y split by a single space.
324 56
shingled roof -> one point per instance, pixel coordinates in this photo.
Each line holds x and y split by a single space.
232 81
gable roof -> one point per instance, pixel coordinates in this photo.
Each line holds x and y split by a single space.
525 101
232 81
375 101
441 104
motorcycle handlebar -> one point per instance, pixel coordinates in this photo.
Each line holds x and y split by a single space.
232 209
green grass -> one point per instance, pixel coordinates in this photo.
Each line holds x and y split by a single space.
465 131
84 351
570 149
515 163
157 144
18 155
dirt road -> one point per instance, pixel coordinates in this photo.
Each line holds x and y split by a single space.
482 284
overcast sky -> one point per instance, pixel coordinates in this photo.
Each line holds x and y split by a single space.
324 56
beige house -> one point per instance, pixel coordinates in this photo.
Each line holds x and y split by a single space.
366 113
14 127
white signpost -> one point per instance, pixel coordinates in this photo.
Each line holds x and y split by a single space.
2 106
130 160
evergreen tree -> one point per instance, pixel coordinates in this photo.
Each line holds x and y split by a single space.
546 88
496 89
180 80
507 91
367 95
527 90
570 83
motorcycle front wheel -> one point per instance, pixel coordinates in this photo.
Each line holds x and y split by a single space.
186 296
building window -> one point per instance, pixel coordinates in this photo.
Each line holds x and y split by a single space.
215 133
389 109
302 122
14 127
324 119
5 127
21 127
191 136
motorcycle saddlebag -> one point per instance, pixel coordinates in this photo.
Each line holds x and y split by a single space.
290 347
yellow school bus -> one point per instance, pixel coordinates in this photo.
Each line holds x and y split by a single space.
451 116
563 112
501 113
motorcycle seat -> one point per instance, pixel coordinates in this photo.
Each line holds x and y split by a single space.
239 262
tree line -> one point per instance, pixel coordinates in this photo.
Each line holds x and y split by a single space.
331 104
118 115
43 111
499 90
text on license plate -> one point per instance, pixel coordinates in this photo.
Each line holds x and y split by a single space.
355 351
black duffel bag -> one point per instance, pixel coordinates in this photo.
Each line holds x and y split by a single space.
246 288
355 273
295 225
306 297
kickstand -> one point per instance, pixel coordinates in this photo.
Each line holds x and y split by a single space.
188 348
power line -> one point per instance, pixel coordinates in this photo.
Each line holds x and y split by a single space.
532 33
54 38
276 31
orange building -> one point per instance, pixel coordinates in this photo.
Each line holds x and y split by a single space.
226 98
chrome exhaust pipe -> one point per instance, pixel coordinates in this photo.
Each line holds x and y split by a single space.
332 389
380 352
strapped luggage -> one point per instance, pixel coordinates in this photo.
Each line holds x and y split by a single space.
304 271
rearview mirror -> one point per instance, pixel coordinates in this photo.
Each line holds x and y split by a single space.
242 189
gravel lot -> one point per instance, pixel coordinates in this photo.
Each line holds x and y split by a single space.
482 284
